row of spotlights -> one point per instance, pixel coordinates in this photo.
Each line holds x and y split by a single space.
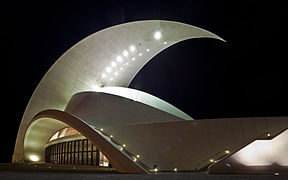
226 152
119 59
124 145
132 48
125 53
156 170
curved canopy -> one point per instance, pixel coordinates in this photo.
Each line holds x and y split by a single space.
46 122
147 99
110 57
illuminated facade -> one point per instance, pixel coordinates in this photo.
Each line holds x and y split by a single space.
84 94
68 146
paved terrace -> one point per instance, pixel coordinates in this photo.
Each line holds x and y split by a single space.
70 172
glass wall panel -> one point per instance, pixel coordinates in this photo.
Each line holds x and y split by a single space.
95 163
80 152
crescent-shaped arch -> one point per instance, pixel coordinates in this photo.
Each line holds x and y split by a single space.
55 119
110 57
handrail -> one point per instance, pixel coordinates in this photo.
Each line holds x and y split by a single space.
224 154
124 150
267 138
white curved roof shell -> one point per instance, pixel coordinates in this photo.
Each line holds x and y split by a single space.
96 61
147 99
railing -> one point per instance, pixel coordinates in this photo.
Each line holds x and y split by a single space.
225 153
123 150
212 159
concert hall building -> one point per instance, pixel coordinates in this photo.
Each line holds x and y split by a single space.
82 113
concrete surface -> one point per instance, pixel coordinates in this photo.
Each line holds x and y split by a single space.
43 172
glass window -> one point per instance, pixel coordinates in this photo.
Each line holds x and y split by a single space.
89 146
75 152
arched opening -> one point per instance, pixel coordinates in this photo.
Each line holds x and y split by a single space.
46 123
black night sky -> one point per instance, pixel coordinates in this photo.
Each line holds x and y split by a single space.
206 78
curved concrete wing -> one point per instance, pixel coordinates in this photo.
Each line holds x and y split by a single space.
147 99
102 109
38 134
111 57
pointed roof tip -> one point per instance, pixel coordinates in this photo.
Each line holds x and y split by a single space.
217 37
207 33
222 39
